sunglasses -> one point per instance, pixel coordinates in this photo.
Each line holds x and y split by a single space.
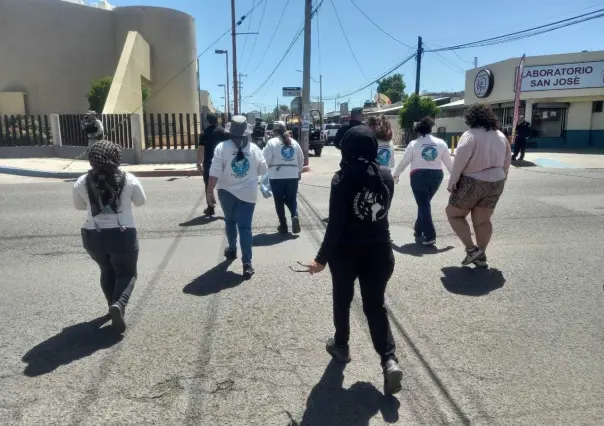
303 265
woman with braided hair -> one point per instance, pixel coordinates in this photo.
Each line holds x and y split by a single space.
109 233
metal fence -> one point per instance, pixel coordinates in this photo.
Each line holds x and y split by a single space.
25 130
117 129
171 131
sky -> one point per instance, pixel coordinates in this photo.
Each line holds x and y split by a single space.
440 23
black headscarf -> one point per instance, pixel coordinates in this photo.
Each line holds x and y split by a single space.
105 181
359 162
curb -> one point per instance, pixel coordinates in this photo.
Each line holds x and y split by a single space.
71 175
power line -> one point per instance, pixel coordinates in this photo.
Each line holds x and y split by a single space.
256 36
531 32
272 37
347 42
390 71
380 28
440 58
249 24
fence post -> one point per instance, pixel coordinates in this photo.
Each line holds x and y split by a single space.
55 130
138 136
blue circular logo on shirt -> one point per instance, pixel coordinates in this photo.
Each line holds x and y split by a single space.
287 152
429 153
383 156
240 167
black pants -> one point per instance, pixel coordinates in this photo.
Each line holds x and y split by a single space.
520 146
116 252
373 266
285 193
424 184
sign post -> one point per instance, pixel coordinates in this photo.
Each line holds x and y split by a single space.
518 89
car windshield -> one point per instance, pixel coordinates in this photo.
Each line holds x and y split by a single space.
269 126
332 126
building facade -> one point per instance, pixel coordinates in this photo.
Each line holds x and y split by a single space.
52 50
561 96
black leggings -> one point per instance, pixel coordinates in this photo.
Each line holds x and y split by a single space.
116 252
373 265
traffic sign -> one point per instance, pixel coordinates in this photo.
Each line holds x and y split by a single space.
292 91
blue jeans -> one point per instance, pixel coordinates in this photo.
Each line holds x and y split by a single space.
285 192
238 215
424 184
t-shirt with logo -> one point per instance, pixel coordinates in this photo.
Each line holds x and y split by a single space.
385 154
283 161
426 152
238 176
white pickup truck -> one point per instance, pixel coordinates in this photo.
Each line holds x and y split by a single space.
328 132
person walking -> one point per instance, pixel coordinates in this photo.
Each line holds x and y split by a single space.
236 167
109 234
426 155
357 245
285 161
208 140
482 162
383 132
356 119
523 133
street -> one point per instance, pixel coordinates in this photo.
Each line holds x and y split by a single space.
520 343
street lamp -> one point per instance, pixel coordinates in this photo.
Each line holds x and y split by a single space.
320 93
225 113
226 89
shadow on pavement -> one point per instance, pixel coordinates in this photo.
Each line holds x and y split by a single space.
265 240
472 281
214 281
73 343
523 163
201 220
419 250
330 404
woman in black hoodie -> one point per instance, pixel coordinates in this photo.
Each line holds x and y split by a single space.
357 245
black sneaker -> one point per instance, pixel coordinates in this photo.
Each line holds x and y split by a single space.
393 375
471 255
117 317
230 254
482 261
339 353
282 229
296 225
210 211
248 271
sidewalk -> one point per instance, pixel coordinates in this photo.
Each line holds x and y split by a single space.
60 168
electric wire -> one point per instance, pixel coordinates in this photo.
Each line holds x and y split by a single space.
380 28
256 37
272 37
347 41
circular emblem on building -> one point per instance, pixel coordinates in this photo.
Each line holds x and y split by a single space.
483 83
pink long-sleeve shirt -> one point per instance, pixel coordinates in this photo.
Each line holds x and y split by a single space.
483 155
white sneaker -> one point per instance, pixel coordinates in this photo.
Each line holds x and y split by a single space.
471 255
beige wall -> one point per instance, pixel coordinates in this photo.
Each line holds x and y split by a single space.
452 124
12 103
504 73
597 121
52 50
579 116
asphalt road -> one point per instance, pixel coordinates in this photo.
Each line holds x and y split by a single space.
522 343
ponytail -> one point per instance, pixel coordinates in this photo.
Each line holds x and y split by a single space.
283 135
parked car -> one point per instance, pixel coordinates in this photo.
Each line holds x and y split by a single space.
328 133
268 132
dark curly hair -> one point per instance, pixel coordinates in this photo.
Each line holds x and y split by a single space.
424 127
481 115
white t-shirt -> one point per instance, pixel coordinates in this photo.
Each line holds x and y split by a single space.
385 155
240 178
283 161
132 193
426 152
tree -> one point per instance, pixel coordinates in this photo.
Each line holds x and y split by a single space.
99 90
393 87
408 114
283 109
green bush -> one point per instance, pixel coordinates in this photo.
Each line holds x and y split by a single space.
99 90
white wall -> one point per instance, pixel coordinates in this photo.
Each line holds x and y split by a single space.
452 124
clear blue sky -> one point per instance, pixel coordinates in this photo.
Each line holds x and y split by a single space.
440 23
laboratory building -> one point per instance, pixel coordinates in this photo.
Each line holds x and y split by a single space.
561 96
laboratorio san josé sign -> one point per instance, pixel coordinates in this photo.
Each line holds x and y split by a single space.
582 75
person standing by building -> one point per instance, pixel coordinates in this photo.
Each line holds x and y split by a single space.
482 162
209 139
236 167
383 132
523 133
426 155
357 245
356 119
285 161
109 234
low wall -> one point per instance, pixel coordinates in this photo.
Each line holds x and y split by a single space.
71 152
163 156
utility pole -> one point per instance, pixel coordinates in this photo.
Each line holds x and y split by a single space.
475 61
241 87
418 57
306 80
234 36
321 99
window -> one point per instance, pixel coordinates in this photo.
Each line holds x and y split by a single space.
441 131
547 122
597 106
